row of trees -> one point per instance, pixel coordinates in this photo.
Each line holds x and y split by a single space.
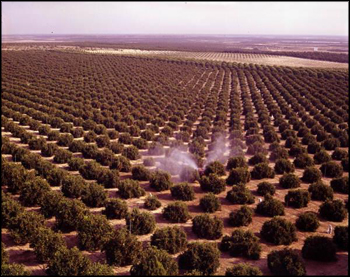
297 161
94 195
238 175
122 247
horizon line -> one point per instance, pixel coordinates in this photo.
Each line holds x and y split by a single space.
171 34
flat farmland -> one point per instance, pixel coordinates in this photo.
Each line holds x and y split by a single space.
264 59
248 58
93 126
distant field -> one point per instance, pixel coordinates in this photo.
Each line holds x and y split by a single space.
226 57
212 43
296 51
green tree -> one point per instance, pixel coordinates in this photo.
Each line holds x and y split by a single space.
115 208
10 210
130 189
170 239
243 269
341 237
140 223
73 186
212 183
176 212
14 269
215 168
99 269
46 243
203 257
239 194
210 203
182 191
205 226
160 180
319 248
286 262
50 202
279 231
241 217
241 243
94 195
152 203
154 262
69 213
122 248
307 222
68 262
93 232
238 175
15 176
24 226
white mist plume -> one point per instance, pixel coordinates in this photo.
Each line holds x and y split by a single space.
176 161
218 151
182 158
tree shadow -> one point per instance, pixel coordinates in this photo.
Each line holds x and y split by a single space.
26 257
165 196
226 223
112 193
125 176
225 202
191 237
198 190
71 239
160 219
39 272
255 193
7 240
96 256
194 208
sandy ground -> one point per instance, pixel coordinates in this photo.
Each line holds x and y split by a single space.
227 57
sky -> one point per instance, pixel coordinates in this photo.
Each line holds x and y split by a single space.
248 18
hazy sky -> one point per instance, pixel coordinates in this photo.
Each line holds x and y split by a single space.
291 18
